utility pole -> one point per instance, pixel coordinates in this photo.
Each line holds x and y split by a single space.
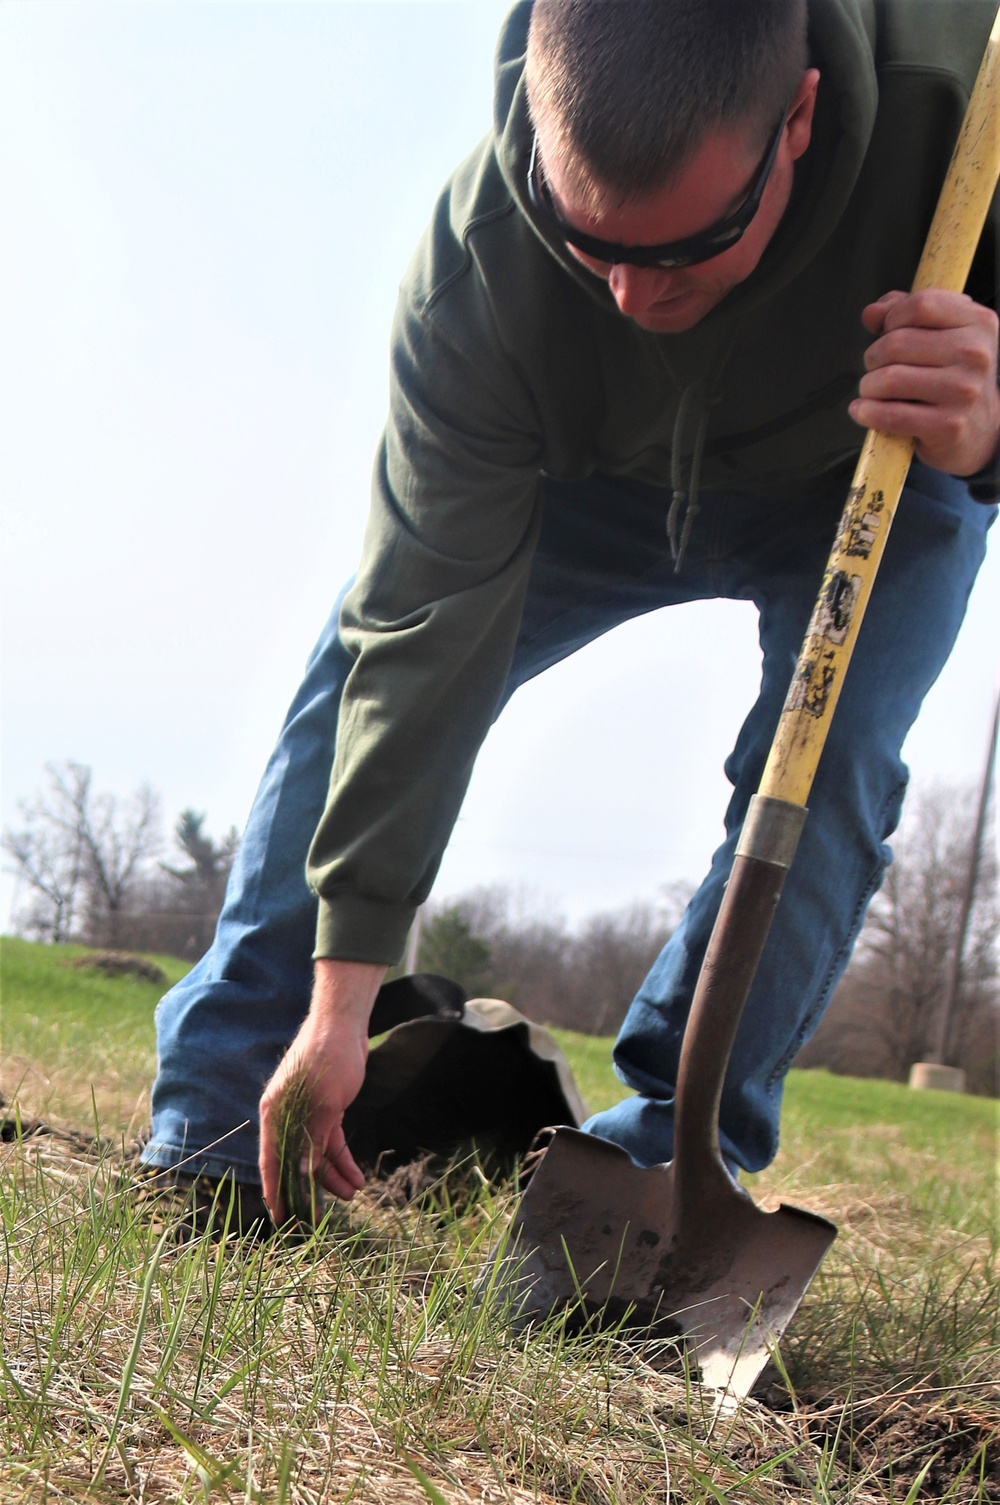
935 1065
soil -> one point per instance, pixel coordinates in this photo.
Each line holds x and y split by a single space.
895 1438
121 964
32 1128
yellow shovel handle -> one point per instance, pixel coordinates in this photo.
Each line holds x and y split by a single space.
885 459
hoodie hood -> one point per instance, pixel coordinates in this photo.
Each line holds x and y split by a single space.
841 46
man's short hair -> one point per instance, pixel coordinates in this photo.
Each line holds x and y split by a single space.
626 90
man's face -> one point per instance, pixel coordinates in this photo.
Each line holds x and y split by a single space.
713 184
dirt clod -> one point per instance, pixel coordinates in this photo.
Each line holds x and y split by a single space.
121 964
893 1440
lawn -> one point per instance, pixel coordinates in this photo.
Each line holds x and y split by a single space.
359 1365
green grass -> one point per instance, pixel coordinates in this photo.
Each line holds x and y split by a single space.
590 1058
358 1365
67 1033
818 1102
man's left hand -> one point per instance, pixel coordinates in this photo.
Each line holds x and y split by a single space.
932 376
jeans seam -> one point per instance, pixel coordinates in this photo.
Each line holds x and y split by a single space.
716 555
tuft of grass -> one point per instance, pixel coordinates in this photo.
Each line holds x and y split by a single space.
303 1200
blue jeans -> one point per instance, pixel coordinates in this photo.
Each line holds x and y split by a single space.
602 559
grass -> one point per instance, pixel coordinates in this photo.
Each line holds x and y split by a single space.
358 1365
69 1036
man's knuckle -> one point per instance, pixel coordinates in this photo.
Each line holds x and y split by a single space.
884 382
990 320
967 390
979 357
895 345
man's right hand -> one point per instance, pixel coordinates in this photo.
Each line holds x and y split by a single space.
327 1056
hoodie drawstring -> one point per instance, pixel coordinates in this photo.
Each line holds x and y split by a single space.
686 496
698 398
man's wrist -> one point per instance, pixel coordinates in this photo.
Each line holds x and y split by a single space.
344 992
984 484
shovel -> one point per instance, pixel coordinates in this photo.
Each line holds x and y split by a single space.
680 1251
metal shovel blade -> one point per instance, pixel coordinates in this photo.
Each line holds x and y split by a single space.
680 1250
701 1263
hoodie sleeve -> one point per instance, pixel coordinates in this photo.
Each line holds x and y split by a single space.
433 616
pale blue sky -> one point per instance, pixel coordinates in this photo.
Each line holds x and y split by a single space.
205 211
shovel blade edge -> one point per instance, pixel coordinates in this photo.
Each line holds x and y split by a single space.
619 1245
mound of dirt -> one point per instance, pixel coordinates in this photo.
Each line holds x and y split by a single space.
896 1440
121 964
30 1128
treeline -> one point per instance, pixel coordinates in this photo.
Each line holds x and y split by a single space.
91 868
87 869
499 944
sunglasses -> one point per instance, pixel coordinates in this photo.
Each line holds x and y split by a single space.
676 253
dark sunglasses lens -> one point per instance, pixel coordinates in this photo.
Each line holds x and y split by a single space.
702 248
712 245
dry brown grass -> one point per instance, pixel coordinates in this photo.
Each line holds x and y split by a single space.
141 1368
359 1367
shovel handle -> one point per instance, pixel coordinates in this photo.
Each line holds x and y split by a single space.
777 812
885 459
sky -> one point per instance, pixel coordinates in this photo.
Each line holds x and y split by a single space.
205 213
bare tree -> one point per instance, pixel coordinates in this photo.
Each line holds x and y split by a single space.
610 960
528 943
886 1012
118 838
81 855
51 873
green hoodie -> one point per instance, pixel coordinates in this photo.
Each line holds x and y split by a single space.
509 359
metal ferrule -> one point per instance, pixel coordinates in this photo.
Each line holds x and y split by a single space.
771 830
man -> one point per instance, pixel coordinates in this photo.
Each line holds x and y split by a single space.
631 364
